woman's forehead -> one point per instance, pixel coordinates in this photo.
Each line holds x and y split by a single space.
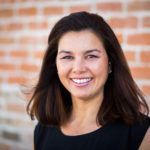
79 40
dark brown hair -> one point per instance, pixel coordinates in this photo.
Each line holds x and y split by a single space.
51 103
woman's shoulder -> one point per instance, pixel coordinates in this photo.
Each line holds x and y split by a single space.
133 134
41 129
141 125
138 130
40 132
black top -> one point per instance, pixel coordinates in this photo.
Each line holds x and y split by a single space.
113 136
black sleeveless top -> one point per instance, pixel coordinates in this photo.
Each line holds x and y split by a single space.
113 136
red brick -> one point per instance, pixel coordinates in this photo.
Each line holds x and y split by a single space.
79 8
109 6
53 10
4 146
2 53
17 123
17 80
10 135
139 5
139 39
146 21
11 26
28 96
1 80
2 27
6 12
27 11
19 53
15 107
7 1
7 67
130 56
141 72
29 67
146 89
7 40
119 37
40 25
39 54
145 56
28 40
130 22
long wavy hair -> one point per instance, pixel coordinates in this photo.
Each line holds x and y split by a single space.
51 103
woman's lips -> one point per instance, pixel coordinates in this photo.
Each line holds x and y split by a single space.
81 81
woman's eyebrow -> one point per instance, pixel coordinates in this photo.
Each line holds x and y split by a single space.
64 51
92 50
86 51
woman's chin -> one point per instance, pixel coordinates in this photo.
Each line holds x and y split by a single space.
82 96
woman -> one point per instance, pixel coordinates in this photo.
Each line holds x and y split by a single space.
86 98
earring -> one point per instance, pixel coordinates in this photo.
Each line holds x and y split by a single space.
110 70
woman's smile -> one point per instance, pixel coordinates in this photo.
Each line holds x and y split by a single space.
81 82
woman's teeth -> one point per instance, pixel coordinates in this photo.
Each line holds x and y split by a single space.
81 81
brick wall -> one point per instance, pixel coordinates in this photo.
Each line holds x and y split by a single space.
24 28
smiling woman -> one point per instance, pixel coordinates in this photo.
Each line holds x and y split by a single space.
83 68
86 97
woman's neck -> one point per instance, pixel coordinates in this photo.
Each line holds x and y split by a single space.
83 117
84 111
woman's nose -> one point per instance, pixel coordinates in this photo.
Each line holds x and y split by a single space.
79 66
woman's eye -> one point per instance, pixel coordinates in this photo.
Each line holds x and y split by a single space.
67 57
92 56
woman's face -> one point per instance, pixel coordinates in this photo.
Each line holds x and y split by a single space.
82 64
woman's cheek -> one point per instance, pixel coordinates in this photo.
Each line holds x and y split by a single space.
63 68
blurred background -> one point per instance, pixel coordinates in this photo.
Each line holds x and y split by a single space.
24 29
